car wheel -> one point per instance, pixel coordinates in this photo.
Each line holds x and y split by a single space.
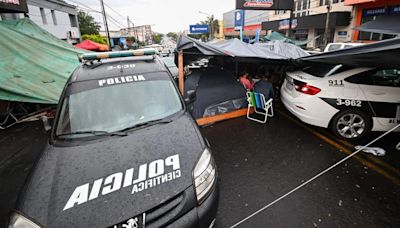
351 124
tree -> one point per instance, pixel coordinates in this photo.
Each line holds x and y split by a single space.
157 38
95 38
87 24
172 35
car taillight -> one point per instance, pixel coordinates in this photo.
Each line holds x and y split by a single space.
306 89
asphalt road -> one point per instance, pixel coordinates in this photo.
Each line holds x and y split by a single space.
258 163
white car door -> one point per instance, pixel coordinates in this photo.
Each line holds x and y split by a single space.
382 89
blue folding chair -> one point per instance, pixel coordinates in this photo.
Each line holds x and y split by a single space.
257 101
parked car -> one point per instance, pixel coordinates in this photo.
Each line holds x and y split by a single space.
170 63
123 152
337 46
349 101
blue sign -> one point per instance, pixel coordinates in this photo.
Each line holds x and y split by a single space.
199 29
374 11
395 10
239 19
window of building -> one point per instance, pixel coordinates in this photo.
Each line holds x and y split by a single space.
72 19
53 15
43 14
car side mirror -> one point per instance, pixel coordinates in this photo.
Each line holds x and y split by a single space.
190 96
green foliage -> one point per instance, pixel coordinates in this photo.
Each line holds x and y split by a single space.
172 35
157 38
95 38
87 24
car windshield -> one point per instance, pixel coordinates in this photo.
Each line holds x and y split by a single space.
117 107
322 71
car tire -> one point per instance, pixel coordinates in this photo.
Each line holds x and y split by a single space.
351 124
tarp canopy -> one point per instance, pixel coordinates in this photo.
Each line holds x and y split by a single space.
387 24
234 48
92 46
34 64
278 36
382 54
288 50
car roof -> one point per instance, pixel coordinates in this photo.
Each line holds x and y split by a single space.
117 67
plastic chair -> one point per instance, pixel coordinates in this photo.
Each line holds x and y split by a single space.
257 101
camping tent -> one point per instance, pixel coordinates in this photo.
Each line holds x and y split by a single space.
217 92
34 64
92 46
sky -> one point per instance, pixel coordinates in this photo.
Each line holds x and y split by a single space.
164 15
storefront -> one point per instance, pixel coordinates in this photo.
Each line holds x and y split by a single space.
311 26
374 10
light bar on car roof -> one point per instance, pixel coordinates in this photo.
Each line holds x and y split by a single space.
117 54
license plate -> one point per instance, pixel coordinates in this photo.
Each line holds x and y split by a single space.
135 222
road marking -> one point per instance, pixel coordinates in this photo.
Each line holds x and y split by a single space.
345 150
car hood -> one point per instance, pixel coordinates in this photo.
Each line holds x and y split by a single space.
91 185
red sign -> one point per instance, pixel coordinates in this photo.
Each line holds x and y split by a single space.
265 4
354 2
13 6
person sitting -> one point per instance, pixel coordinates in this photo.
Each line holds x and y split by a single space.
264 87
246 81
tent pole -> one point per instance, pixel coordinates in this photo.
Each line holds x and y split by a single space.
180 65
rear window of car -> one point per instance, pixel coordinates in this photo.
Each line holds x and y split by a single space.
334 47
322 71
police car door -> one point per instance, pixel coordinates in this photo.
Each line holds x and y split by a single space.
383 94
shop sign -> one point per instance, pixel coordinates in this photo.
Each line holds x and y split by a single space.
13 6
375 11
342 33
199 29
395 10
239 19
283 25
264 4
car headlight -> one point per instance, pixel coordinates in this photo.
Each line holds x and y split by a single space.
19 221
204 174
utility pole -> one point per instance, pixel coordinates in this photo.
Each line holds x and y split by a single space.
212 27
103 11
327 23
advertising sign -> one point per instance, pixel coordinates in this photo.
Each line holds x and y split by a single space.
13 6
264 4
239 19
198 29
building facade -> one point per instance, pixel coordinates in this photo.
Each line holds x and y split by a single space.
373 10
309 21
142 33
57 17
251 22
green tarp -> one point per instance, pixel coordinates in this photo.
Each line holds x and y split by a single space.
34 64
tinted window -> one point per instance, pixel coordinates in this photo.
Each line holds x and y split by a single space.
334 47
386 77
325 70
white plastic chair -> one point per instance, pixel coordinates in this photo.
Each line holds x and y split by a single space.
257 101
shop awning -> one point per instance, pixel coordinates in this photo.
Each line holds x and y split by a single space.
382 54
386 25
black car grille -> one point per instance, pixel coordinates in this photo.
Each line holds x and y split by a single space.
165 213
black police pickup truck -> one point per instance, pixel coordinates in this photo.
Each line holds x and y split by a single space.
123 153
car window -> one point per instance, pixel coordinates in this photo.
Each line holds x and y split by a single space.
364 78
322 70
169 61
387 77
348 46
334 47
113 108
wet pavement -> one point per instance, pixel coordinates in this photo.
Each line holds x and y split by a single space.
257 163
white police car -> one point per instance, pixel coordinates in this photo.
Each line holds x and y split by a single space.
124 152
349 101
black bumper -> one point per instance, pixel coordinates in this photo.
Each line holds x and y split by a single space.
203 215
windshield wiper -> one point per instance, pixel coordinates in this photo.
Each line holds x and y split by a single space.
148 123
96 133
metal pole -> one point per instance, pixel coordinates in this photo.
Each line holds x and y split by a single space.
327 23
212 27
103 11
290 24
